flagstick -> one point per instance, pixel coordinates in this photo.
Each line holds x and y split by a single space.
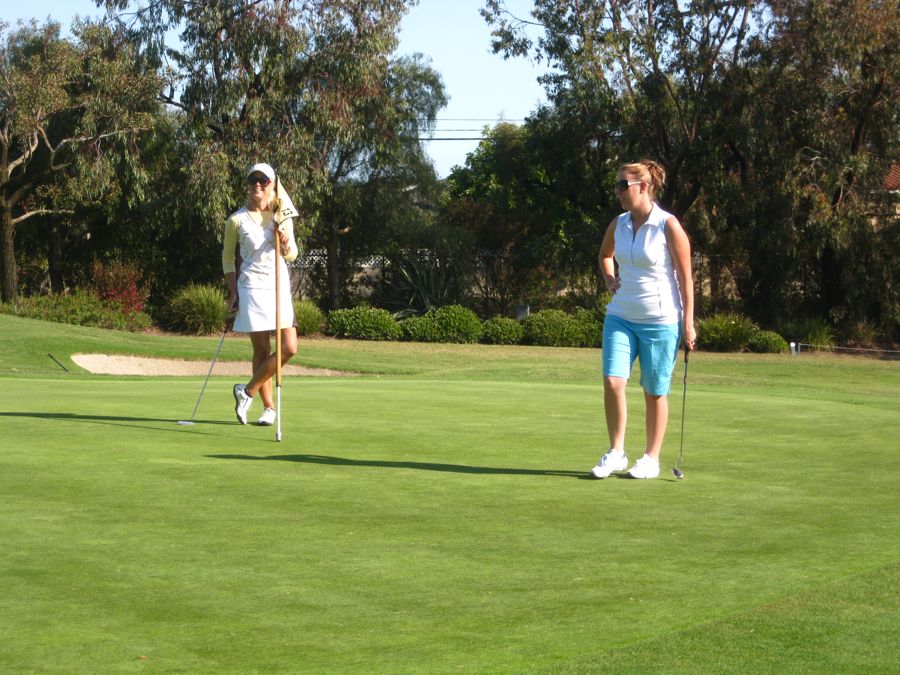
277 329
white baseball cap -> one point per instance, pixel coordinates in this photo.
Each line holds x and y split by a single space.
262 168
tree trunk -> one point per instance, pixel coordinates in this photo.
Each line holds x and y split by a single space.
54 258
9 288
333 265
831 280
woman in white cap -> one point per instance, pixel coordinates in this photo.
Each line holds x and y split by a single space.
253 228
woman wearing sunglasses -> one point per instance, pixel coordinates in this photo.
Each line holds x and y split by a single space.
252 228
652 308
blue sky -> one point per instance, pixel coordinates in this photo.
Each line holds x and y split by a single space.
482 87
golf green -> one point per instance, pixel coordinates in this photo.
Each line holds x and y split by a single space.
415 523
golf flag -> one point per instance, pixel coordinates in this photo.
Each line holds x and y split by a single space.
284 207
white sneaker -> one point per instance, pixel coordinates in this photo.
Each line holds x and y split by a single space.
241 403
267 418
614 460
645 467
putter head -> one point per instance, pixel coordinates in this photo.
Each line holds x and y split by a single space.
677 473
186 422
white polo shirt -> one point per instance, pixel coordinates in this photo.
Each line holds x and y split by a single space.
649 288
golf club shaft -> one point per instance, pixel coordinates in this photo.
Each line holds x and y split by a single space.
209 372
683 401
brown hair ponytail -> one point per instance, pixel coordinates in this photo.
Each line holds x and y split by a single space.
648 171
657 174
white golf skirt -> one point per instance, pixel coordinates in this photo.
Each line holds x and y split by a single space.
256 309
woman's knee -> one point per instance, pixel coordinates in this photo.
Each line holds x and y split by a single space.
615 384
289 346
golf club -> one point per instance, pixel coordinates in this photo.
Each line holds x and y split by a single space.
209 372
675 470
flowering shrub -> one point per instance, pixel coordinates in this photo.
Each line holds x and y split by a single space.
119 282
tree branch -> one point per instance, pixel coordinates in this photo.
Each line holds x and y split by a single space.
41 212
26 154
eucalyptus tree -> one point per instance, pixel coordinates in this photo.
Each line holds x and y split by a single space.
659 62
776 121
307 85
821 111
66 106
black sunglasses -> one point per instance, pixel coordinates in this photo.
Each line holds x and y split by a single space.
262 180
622 185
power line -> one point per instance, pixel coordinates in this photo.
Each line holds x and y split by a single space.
479 119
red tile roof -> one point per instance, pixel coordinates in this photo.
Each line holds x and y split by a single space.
892 180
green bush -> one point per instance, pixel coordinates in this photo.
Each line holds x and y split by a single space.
552 328
453 323
310 319
81 308
197 309
457 324
725 332
362 323
590 323
419 329
816 332
502 330
767 342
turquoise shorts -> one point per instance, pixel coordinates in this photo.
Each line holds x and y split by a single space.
656 345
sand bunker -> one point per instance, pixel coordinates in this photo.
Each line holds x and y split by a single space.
106 364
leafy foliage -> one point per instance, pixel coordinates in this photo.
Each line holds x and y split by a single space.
554 328
534 228
590 322
501 330
726 332
456 324
119 282
81 308
767 342
768 117
813 331
310 319
452 323
65 107
198 309
419 329
362 323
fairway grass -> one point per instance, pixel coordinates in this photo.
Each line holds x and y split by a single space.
432 517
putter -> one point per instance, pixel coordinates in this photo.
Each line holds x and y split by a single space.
209 372
675 470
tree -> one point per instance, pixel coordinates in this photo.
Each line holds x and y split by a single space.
61 102
307 86
776 122
822 135
527 197
659 61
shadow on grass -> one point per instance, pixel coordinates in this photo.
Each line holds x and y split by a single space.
113 420
419 466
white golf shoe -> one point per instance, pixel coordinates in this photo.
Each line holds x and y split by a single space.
645 467
614 460
267 418
241 403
